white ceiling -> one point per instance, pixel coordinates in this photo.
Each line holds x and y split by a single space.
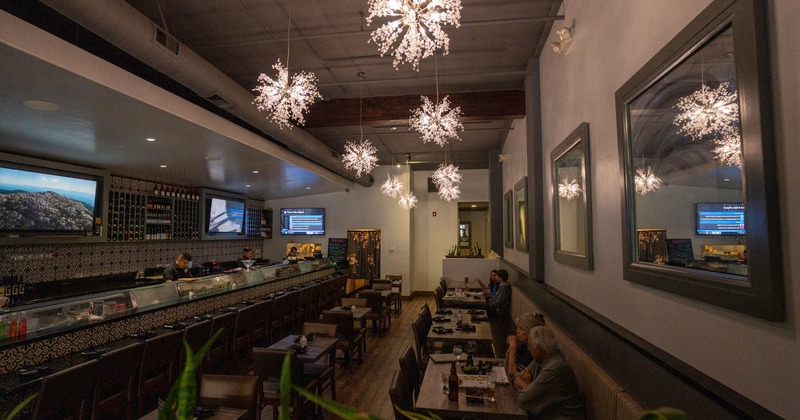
101 125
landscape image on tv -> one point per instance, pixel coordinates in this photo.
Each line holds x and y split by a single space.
36 201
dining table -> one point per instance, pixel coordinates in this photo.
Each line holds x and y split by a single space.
316 349
464 300
453 335
432 398
221 413
359 314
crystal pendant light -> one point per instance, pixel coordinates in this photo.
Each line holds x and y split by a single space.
729 150
645 181
408 200
418 25
708 112
569 189
361 156
436 122
283 98
393 187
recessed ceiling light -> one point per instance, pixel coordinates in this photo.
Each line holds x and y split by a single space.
163 166
42 106
151 139
393 129
726 179
474 205
255 172
247 186
212 158
308 188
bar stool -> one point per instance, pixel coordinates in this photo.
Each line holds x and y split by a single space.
196 335
116 383
218 360
158 370
235 391
381 314
260 331
350 340
67 394
323 374
242 342
268 365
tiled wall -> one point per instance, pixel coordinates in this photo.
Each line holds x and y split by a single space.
49 262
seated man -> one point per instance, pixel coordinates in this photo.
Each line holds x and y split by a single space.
518 356
547 387
180 269
247 254
502 300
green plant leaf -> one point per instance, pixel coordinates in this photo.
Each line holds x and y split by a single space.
14 411
664 413
286 387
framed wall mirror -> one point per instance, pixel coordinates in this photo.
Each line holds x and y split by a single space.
697 160
464 234
572 200
508 219
521 207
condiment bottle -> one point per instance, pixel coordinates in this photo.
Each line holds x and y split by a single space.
12 326
22 327
303 341
459 319
466 284
452 384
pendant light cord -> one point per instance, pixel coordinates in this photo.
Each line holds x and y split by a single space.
288 32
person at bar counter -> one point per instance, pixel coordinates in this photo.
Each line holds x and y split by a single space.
247 254
180 269
292 256
502 300
494 284
547 388
518 356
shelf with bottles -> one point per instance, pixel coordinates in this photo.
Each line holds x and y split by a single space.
174 191
126 216
254 217
186 224
158 232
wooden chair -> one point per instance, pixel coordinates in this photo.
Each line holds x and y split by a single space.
220 355
323 374
261 323
443 284
439 295
421 341
67 394
114 392
267 365
282 316
381 314
410 368
303 308
350 340
401 395
158 370
242 340
361 327
234 391
393 299
427 317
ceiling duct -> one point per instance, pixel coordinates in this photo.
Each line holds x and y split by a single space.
119 23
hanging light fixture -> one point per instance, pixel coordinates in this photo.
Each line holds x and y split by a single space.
708 111
286 100
418 25
446 174
436 123
449 192
408 200
645 181
393 187
729 150
360 156
569 189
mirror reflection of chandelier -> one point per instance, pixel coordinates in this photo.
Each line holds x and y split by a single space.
729 150
569 189
418 25
708 112
645 181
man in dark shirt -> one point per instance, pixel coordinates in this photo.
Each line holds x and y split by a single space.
502 300
179 269
247 254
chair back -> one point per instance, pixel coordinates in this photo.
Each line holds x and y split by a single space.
427 317
342 319
117 374
320 329
394 277
67 393
268 363
159 369
235 391
261 324
223 346
381 284
421 340
401 395
196 335
374 299
443 284
410 368
359 302
439 295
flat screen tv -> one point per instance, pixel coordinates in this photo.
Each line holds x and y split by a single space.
223 215
720 219
303 221
50 199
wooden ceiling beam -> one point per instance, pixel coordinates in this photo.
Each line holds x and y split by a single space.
395 110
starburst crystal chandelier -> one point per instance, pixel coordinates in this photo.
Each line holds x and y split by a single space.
418 24
449 192
393 187
408 200
645 181
729 150
436 123
708 111
360 156
569 189
446 174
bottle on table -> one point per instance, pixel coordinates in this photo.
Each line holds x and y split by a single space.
459 319
466 284
452 384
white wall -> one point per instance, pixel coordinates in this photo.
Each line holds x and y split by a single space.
514 168
613 39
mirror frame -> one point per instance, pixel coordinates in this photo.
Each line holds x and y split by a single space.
763 293
521 236
578 139
508 225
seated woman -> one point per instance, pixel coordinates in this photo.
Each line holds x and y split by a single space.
292 257
547 387
518 356
493 284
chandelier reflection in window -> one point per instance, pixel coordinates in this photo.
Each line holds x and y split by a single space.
728 151
645 181
418 25
708 112
569 189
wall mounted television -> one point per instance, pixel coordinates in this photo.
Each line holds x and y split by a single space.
719 219
303 221
223 215
42 199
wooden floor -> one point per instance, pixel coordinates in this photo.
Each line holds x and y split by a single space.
367 388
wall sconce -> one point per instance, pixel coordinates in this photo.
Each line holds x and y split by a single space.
565 34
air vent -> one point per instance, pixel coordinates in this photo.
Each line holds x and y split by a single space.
168 41
218 101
